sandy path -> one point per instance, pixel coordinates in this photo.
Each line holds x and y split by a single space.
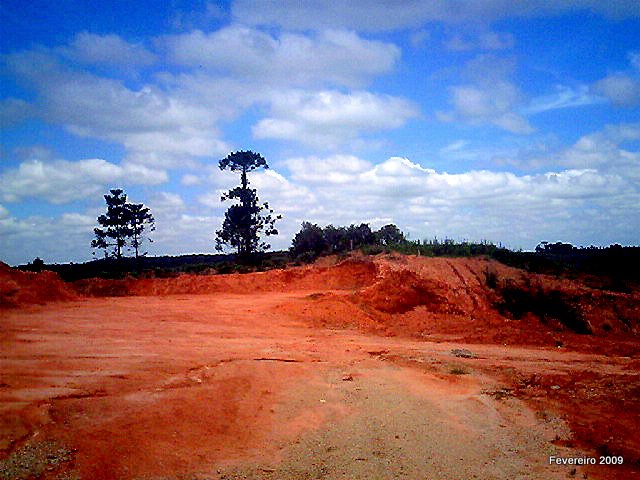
225 386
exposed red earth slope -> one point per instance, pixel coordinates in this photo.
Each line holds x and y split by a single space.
26 288
253 376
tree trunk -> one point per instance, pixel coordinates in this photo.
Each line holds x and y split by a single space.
135 243
244 179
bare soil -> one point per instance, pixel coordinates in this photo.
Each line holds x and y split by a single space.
396 367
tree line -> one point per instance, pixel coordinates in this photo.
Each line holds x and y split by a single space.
312 241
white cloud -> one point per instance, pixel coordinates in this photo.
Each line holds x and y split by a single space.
211 199
189 180
488 104
75 219
329 118
473 204
338 57
375 15
93 49
166 204
579 203
605 151
149 119
620 89
172 120
169 236
284 196
135 174
23 239
489 97
335 169
61 181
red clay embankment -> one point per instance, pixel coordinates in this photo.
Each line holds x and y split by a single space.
19 288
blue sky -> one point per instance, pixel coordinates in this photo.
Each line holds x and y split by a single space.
515 122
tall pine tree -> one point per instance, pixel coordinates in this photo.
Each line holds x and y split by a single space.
247 219
112 238
122 225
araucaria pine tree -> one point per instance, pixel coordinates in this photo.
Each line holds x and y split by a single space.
123 224
247 219
140 218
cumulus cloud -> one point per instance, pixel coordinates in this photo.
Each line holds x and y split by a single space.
578 203
489 97
329 118
169 236
335 169
605 150
488 104
621 90
62 181
75 219
166 204
168 201
148 119
475 204
189 180
111 49
172 120
22 239
339 57
608 151
375 15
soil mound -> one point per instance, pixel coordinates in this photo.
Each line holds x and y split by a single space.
476 300
24 288
402 290
472 298
350 274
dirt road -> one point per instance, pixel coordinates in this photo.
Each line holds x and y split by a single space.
230 386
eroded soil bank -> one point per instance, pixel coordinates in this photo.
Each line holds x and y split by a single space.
393 368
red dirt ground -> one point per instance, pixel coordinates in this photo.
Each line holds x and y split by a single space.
385 367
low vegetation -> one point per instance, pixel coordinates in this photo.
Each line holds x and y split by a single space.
553 307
